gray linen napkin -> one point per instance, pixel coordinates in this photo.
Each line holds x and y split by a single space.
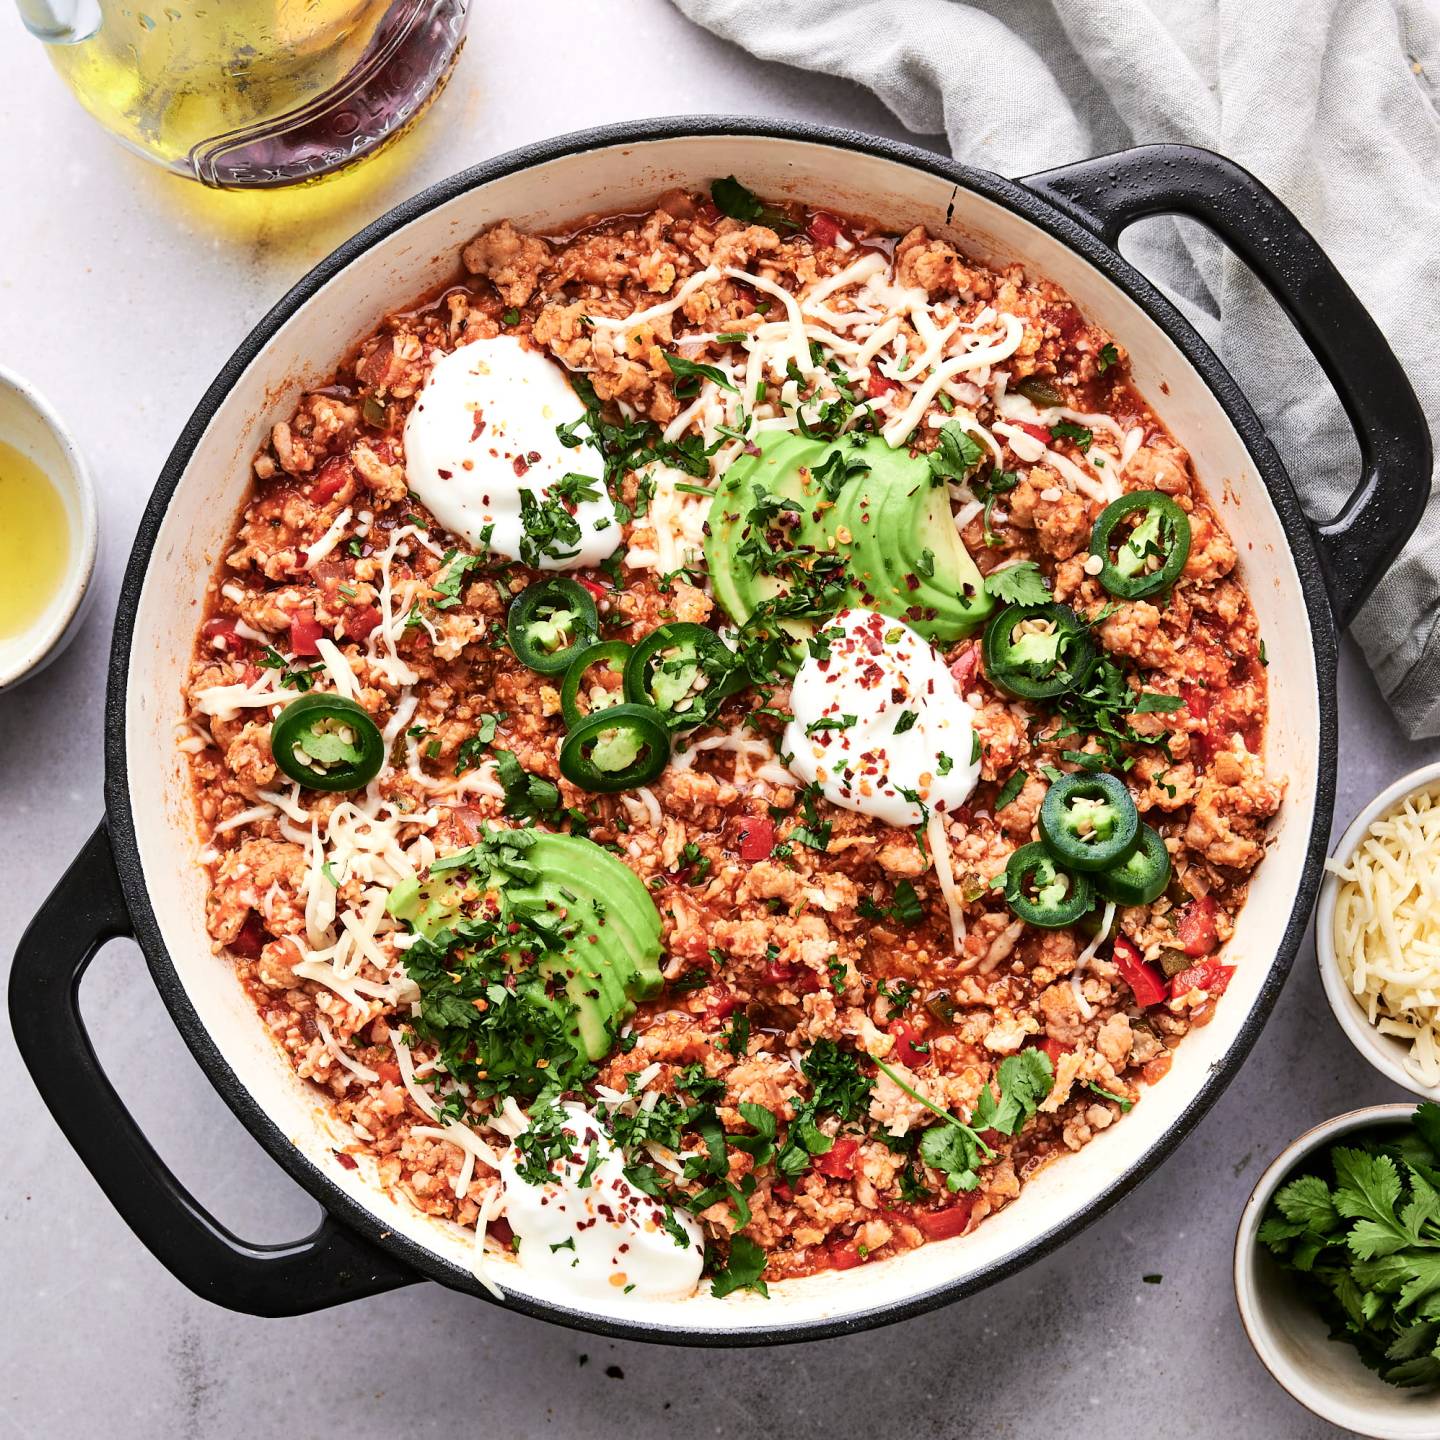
1332 103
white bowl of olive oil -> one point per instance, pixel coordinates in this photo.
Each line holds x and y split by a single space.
47 533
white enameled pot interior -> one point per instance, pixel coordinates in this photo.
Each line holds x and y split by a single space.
629 176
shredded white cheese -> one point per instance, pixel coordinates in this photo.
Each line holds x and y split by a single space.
1387 929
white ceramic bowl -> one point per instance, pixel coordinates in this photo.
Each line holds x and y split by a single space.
1385 1052
1326 1376
35 430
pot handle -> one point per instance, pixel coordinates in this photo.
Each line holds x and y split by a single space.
1111 192
86 909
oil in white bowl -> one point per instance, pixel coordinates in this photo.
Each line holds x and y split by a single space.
34 542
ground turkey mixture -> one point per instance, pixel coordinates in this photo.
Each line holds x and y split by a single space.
814 965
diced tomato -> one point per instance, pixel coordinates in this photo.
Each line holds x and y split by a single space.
1197 700
844 1255
1196 927
252 937
1142 977
305 631
330 481
222 634
1053 1049
1039 432
388 1070
905 1051
499 1227
599 591
944 1224
724 1001
757 837
838 1162
782 1192
963 670
878 384
360 621
823 228
250 674
1209 975
797 977
711 212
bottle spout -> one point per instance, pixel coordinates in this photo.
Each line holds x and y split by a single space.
61 22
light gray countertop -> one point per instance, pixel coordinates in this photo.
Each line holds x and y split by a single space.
121 293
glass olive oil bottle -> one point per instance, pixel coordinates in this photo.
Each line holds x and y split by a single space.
252 93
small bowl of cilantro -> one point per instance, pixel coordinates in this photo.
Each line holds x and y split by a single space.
1337 1271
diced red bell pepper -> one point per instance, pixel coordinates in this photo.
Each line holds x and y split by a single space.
1209 975
222 634
305 632
330 481
964 668
1038 432
1196 928
944 1224
599 591
823 228
1142 977
251 938
844 1255
838 1162
905 1051
499 1227
782 1192
360 621
756 837
710 211
879 385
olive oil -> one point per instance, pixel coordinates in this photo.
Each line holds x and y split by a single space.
261 93
34 541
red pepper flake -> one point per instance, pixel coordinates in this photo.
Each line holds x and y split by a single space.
520 464
479 426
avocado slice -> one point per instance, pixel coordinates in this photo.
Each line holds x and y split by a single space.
612 954
782 472
891 523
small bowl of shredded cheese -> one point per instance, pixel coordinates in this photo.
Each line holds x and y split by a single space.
1377 932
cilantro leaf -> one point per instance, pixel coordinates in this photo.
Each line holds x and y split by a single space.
1067 430
741 1271
951 1149
1018 584
955 455
1010 790
733 199
527 796
691 372
1025 1080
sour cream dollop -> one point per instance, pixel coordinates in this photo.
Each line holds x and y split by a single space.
482 433
602 1238
881 715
